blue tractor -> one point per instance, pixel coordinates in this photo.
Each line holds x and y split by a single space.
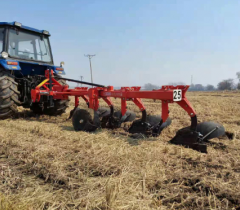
25 55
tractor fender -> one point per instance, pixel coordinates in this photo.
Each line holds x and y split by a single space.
12 65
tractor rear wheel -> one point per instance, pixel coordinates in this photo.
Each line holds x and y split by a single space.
59 108
9 94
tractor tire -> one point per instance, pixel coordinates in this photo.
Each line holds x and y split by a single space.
59 108
9 94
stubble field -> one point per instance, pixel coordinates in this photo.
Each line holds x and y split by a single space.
45 164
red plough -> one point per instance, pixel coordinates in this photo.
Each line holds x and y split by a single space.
108 118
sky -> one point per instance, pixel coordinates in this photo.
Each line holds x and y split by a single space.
138 41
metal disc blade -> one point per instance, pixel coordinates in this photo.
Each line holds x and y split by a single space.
82 121
206 127
155 119
103 112
188 138
166 124
130 115
139 127
148 128
117 114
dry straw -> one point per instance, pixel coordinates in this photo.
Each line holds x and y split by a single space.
45 164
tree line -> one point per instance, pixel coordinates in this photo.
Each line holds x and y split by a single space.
227 84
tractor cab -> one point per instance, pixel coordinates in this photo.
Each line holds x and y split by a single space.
27 47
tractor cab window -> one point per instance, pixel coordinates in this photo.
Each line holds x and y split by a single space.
28 46
1 38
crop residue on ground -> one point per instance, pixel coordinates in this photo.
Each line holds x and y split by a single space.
45 164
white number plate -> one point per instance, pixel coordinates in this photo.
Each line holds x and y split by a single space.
177 95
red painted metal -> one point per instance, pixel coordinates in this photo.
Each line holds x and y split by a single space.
12 63
92 95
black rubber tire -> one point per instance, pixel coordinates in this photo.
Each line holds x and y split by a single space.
59 108
9 94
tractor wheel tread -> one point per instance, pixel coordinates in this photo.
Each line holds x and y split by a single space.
8 76
14 108
16 100
3 78
3 87
9 104
13 81
6 114
8 94
14 89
